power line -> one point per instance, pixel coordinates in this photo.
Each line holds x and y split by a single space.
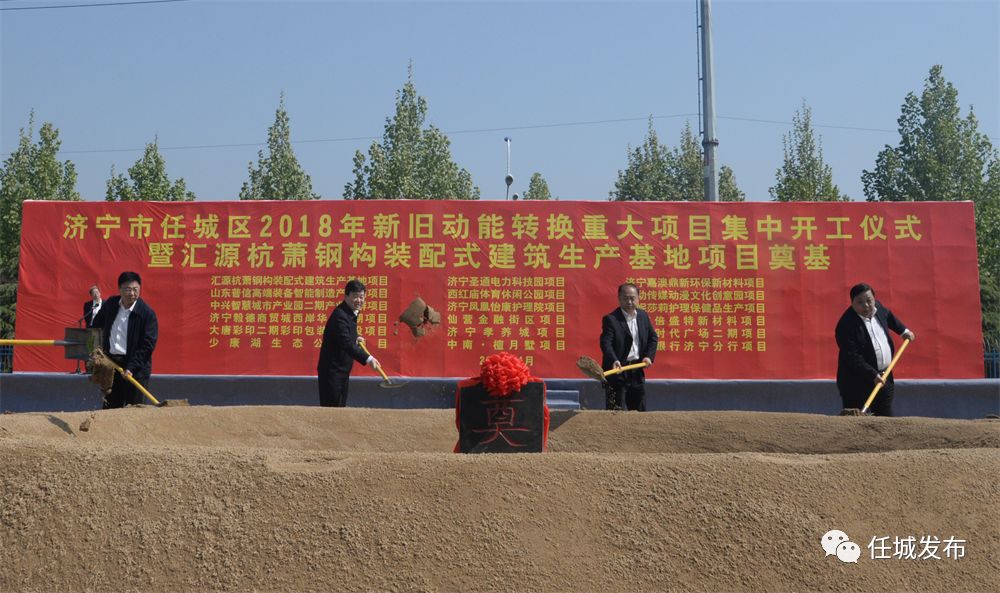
362 138
575 123
200 146
828 126
484 131
126 3
788 123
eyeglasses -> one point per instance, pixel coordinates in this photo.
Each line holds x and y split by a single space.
128 288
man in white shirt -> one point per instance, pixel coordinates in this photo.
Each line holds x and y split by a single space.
627 337
866 349
130 331
92 307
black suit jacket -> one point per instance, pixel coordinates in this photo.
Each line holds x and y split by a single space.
856 365
616 340
340 343
143 331
88 306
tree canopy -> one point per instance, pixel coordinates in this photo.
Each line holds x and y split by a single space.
728 190
278 176
804 177
538 188
31 172
943 156
147 181
656 172
411 162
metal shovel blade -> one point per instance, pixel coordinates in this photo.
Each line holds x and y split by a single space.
79 342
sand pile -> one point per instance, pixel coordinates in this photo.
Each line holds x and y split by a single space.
307 499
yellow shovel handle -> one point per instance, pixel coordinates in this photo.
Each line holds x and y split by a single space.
120 370
628 367
137 384
380 371
32 343
885 376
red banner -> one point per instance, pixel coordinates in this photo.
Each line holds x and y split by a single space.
749 290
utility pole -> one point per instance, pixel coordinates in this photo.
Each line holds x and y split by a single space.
509 179
708 140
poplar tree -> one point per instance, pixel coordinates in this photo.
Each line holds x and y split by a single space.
943 156
804 177
411 162
656 172
648 174
538 188
278 176
728 190
147 181
31 172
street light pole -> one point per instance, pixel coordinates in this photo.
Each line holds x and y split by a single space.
509 179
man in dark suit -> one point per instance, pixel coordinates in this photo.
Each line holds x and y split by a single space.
627 337
866 349
130 332
92 307
340 348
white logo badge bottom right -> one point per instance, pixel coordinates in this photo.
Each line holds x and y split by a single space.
836 543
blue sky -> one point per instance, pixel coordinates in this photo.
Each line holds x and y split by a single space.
200 73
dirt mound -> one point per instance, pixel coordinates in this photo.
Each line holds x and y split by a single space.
309 499
433 431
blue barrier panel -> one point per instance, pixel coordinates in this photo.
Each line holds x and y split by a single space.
49 392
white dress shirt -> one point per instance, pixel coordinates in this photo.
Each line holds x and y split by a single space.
880 341
119 330
95 307
633 328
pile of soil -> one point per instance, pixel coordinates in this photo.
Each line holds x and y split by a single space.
308 499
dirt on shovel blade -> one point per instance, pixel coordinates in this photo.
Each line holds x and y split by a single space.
174 403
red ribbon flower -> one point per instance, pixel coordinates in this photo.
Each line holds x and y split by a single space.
503 374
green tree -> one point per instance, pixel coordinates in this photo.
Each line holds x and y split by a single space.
411 162
538 188
278 176
690 173
688 168
656 172
147 181
728 190
943 156
649 173
32 172
804 176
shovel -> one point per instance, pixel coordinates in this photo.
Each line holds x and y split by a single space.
388 384
593 370
884 376
80 344
100 358
77 342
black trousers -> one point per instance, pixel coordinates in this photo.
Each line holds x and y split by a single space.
123 393
628 387
881 405
333 389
